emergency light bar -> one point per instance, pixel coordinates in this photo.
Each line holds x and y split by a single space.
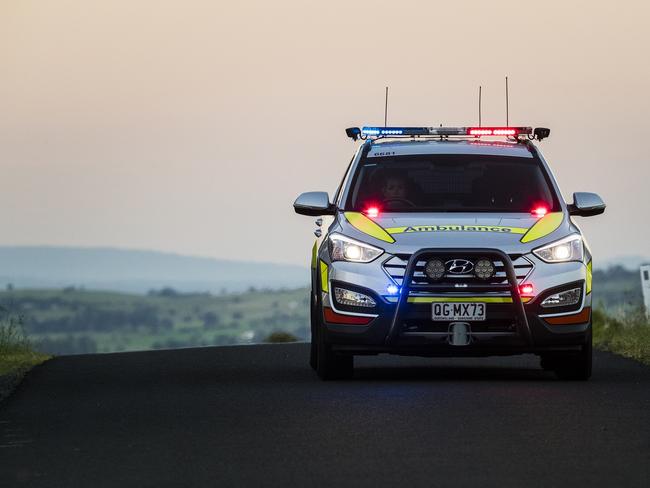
356 133
445 131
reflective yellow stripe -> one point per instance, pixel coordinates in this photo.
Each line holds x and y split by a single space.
367 226
314 254
588 278
324 285
457 228
465 299
543 226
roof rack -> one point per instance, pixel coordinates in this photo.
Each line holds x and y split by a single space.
515 132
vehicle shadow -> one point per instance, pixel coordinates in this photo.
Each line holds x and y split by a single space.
454 373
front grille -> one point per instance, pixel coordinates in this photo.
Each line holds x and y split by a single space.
395 267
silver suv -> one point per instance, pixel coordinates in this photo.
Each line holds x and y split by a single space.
449 241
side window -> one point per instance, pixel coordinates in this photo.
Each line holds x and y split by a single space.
645 275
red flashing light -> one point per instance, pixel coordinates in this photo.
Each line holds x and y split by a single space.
492 131
526 290
539 211
372 212
480 132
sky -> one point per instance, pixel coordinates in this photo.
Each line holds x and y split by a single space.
191 126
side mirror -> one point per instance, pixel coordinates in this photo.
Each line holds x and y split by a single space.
586 205
313 203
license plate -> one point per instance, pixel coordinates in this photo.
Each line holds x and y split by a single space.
448 311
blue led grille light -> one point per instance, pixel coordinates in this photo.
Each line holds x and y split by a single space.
392 289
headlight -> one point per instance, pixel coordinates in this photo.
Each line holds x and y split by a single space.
568 249
344 248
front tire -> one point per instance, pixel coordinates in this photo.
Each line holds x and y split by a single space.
576 367
328 364
332 366
313 350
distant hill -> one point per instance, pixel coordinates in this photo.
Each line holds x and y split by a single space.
629 262
138 271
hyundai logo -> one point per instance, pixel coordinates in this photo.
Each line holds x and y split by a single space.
459 266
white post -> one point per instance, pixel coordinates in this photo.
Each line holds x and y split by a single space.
645 286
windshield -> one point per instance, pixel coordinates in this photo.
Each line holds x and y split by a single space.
451 183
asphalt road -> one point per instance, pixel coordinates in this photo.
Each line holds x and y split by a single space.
257 416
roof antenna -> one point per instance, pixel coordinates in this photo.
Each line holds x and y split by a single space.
386 110
507 114
479 106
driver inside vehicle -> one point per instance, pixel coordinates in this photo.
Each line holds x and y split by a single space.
394 187
395 191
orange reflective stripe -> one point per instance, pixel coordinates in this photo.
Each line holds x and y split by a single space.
578 318
336 318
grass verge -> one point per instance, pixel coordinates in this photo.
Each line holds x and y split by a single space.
17 355
628 336
280 336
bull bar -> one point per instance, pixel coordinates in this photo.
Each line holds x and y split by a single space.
522 326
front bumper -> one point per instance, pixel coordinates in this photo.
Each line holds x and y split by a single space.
516 327
371 339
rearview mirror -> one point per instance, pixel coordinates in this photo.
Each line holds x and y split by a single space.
586 205
313 203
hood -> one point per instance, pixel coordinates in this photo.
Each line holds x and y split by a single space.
408 232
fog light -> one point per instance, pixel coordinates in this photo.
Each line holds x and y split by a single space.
434 269
484 269
563 299
353 298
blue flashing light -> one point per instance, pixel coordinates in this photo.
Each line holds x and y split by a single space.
392 289
393 131
410 131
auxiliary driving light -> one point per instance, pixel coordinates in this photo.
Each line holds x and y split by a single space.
434 269
484 269
353 298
